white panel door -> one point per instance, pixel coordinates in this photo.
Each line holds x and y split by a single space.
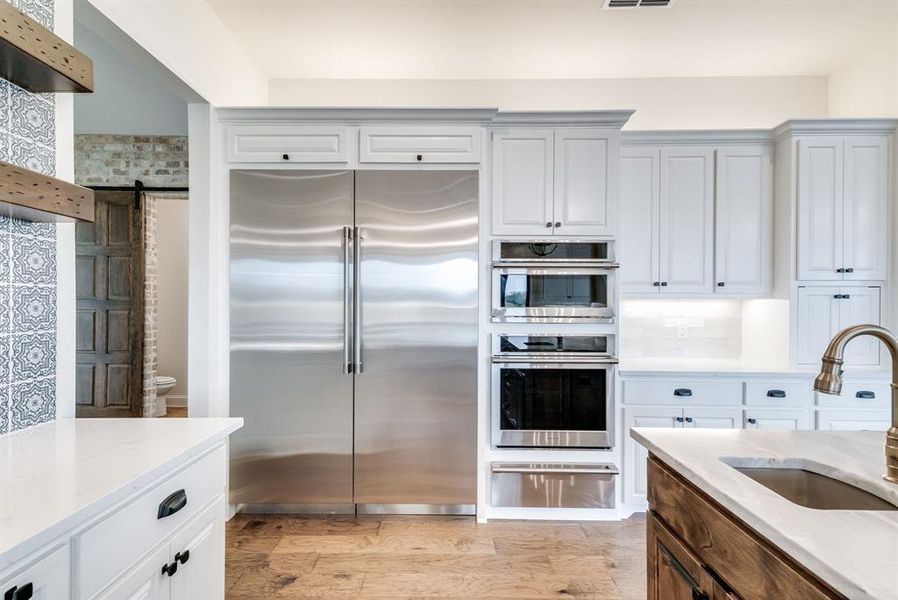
743 221
46 579
687 220
635 455
200 546
145 580
853 420
860 305
522 183
819 317
820 208
777 420
637 244
866 214
584 182
712 418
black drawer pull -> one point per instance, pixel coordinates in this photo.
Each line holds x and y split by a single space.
419 157
752 420
172 504
683 392
679 419
849 270
776 393
10 594
721 283
548 224
840 270
26 592
689 419
286 157
865 394
656 283
170 569
663 284
182 557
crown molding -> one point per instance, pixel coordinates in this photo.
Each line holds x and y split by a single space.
831 126
275 114
595 118
697 136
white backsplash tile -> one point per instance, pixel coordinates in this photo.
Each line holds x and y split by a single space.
652 328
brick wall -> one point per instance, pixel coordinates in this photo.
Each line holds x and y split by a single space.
158 160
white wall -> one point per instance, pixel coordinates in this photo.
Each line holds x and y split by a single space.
867 88
172 220
127 99
668 103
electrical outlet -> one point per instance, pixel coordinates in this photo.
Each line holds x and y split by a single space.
682 331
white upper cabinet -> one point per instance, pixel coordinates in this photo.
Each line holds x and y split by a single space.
639 232
419 144
288 144
582 202
554 182
843 208
522 182
686 223
824 310
743 220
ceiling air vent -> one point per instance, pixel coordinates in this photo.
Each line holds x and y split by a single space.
634 3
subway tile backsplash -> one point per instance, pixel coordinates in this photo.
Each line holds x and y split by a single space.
27 258
681 328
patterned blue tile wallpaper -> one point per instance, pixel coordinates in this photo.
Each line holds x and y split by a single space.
27 258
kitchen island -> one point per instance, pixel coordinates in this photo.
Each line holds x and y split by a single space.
715 532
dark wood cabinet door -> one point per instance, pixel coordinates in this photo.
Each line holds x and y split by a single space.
674 573
109 309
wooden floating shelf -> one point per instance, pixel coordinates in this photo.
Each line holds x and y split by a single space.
35 197
38 60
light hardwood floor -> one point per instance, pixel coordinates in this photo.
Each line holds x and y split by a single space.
433 557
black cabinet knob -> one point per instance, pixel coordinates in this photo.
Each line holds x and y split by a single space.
548 224
721 283
663 284
849 270
557 223
10 594
286 157
689 419
170 569
656 283
837 296
182 557
752 420
679 419
420 157
25 592
840 270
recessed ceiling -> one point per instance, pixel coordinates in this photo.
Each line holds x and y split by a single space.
554 39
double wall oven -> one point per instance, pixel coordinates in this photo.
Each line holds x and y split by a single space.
553 391
547 281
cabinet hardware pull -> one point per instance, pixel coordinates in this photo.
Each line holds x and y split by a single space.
548 223
170 569
689 419
557 223
840 270
175 502
776 393
837 296
849 270
182 557
685 392
10 594
663 284
752 420
721 283
865 394
286 157
26 592
846 296
656 283
419 157
679 419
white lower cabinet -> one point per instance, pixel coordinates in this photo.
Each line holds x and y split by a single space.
712 418
777 420
635 454
145 580
199 551
46 578
853 420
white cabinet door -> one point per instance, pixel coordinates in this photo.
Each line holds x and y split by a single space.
712 418
866 214
199 548
819 318
777 420
687 220
288 144
820 208
584 181
416 144
45 579
853 420
637 245
145 580
860 305
743 221
635 455
522 183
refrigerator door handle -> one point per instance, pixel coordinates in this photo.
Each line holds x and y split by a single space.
347 300
357 300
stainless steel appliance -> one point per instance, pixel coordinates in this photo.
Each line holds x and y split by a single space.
544 281
553 391
353 327
538 485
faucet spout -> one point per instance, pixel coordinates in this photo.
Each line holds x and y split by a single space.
829 380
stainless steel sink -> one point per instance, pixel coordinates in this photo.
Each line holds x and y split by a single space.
813 490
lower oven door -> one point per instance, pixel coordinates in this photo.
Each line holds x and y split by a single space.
552 404
553 294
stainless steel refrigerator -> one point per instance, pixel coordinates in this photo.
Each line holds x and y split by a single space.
353 321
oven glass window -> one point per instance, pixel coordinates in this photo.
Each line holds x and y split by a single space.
553 251
535 291
553 399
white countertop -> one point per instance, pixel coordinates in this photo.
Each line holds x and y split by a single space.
855 552
58 474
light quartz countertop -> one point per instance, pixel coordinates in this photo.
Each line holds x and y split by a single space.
59 474
855 552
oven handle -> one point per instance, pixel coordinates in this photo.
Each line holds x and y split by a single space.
576 263
552 362
544 269
597 470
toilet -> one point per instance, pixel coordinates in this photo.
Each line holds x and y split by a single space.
164 385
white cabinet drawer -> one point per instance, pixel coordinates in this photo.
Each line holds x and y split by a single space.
770 419
778 393
683 392
853 420
288 144
858 395
117 541
397 144
47 578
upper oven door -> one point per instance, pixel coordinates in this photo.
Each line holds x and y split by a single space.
552 404
553 294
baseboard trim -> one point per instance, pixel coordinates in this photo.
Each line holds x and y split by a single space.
176 400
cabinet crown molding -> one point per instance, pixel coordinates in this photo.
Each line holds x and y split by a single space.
697 136
596 118
275 115
831 126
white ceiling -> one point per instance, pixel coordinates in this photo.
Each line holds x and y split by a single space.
551 39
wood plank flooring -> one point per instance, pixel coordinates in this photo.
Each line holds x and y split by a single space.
272 556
